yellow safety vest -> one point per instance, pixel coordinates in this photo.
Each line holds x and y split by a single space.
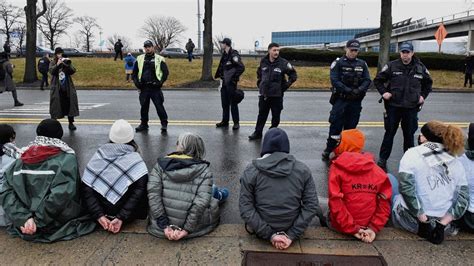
158 71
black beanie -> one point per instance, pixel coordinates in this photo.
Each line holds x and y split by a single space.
470 137
58 50
6 133
50 128
430 135
275 140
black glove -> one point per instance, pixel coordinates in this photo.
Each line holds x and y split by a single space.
437 235
347 90
424 230
157 84
355 92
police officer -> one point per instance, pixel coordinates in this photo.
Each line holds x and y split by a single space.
229 70
149 73
272 84
350 80
409 83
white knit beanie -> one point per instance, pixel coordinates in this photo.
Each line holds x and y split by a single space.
121 132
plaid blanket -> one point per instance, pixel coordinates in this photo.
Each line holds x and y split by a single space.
112 169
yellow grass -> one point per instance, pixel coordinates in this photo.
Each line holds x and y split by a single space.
106 73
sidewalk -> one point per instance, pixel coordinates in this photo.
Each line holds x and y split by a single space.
225 246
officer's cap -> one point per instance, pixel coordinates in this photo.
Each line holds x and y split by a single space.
353 44
406 46
148 43
226 41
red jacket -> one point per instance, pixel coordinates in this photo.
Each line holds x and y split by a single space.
359 193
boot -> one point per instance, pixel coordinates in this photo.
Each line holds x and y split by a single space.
222 124
164 128
325 156
236 126
72 126
18 103
141 127
255 136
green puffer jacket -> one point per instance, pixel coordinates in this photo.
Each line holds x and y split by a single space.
180 193
49 195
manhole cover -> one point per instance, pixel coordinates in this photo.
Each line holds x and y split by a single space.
273 258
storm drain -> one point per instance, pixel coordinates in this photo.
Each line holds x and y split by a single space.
252 258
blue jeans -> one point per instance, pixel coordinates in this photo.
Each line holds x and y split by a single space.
394 182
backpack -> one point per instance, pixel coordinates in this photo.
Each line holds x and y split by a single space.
130 63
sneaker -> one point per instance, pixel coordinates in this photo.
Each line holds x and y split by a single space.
222 124
255 135
382 163
17 103
221 194
72 126
141 128
325 156
236 126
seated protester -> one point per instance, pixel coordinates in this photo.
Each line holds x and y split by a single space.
359 190
184 203
41 190
8 154
115 179
278 197
467 160
432 184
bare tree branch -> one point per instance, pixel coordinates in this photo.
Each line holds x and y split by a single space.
10 15
88 25
111 40
38 15
55 21
163 31
216 41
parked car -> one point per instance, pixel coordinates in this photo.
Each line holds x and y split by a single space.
73 52
40 51
174 53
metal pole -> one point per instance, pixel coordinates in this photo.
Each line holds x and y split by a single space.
199 25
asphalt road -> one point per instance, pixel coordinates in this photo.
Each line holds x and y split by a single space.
304 118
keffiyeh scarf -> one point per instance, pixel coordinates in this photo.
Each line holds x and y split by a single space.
50 142
112 169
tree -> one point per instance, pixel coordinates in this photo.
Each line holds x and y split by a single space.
31 25
385 33
55 21
113 39
78 41
10 15
163 31
88 25
21 29
206 74
217 45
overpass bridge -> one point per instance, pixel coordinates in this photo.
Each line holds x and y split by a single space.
457 25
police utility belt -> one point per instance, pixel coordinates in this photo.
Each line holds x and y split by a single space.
344 96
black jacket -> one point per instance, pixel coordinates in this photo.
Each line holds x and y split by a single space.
230 67
43 65
271 77
406 83
149 79
350 78
126 209
118 46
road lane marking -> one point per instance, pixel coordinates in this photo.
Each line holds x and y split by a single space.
16 120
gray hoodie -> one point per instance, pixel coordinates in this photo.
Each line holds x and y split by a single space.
278 194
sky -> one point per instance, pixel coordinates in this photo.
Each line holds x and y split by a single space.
246 21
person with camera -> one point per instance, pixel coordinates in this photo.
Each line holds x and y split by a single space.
149 73
63 96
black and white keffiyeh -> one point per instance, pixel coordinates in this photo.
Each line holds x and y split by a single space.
112 169
50 142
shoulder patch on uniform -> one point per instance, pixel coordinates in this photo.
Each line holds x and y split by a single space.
384 68
334 63
427 71
289 66
236 59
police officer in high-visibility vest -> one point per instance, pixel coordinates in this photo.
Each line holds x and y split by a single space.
350 81
149 74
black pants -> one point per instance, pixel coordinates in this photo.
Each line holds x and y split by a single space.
227 93
345 114
44 79
117 54
468 77
65 105
155 95
275 104
408 117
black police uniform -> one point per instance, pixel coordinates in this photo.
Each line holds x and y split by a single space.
229 70
272 84
406 84
150 89
350 81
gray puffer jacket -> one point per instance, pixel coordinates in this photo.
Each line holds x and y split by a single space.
277 193
180 193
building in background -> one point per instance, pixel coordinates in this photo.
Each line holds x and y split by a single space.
315 38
